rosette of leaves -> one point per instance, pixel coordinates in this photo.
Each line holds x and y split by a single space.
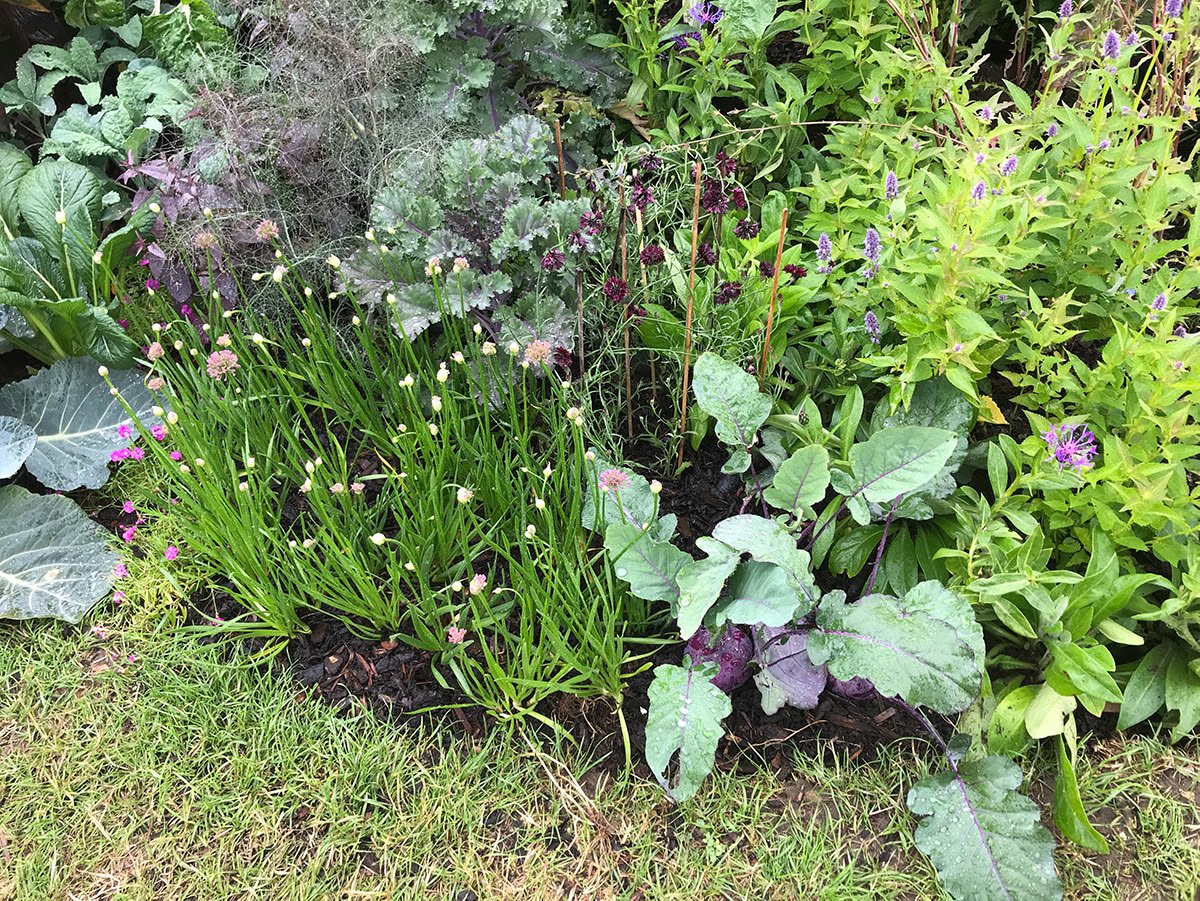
482 199
61 425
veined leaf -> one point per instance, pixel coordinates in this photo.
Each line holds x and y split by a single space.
730 396
786 675
984 837
801 481
16 444
649 567
686 711
900 461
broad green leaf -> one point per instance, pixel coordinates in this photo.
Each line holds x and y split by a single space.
1006 733
1182 695
84 13
730 396
898 461
76 420
700 585
686 711
650 567
1069 815
758 593
984 837
106 341
634 504
16 444
55 187
1088 669
14 166
768 542
746 20
54 561
926 648
800 482
1146 691
189 28
1048 712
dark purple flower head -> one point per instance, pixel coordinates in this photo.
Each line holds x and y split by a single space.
766 269
616 290
652 255
712 197
577 240
871 245
683 41
746 228
796 272
635 313
706 255
592 222
649 163
891 186
871 323
728 292
705 14
1008 167
1112 45
1064 11
553 260
1173 9
726 165
737 198
1071 445
640 195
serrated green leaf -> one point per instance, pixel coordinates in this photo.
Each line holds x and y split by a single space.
926 648
984 837
685 716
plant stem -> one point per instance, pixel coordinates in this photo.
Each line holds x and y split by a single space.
762 371
687 332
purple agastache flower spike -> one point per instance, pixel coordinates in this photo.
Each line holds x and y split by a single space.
824 254
705 14
871 323
891 186
986 114
1132 40
1008 167
1112 45
1052 130
871 245
1064 11
979 191
1071 446
1173 9
1159 303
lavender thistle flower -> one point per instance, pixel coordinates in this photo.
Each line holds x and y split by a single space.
871 323
705 14
1064 11
1008 167
1173 9
1071 445
891 186
1112 45
682 41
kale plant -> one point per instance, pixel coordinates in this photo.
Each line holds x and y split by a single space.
922 647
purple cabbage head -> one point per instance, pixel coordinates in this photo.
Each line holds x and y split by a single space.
785 674
731 653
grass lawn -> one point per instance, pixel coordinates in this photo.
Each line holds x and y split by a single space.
168 775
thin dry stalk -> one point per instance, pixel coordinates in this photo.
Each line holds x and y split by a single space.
623 228
762 370
687 332
637 218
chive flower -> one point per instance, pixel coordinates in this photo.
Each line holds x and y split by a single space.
222 363
613 480
1071 446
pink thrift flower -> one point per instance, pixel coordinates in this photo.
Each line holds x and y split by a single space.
357 487
121 453
158 432
154 352
478 584
137 453
613 480
171 552
176 456
120 571
455 635
222 363
125 431
99 632
127 535
128 507
118 597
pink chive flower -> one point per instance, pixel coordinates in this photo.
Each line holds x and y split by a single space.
156 384
171 552
266 230
455 635
613 480
154 352
357 487
128 507
127 535
120 571
478 584
222 363
176 456
538 353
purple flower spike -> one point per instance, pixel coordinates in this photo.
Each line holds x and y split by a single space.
871 245
1064 11
1008 167
891 186
1071 446
1173 9
871 323
1159 303
1112 45
1052 130
979 191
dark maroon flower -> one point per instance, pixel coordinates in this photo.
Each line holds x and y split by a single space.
725 165
737 197
728 292
640 196
747 228
635 313
652 255
712 197
577 241
592 223
649 163
616 290
553 260
706 255
563 358
796 272
766 269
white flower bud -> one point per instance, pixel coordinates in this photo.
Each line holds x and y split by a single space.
103 371
378 538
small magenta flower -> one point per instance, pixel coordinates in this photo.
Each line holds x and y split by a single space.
128 507
1071 446
121 571
176 456
121 453
1064 11
158 432
871 323
613 480
1008 167
127 534
553 260
652 255
1112 45
137 453
455 635
222 363
171 552
124 431
891 186
118 598
538 353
